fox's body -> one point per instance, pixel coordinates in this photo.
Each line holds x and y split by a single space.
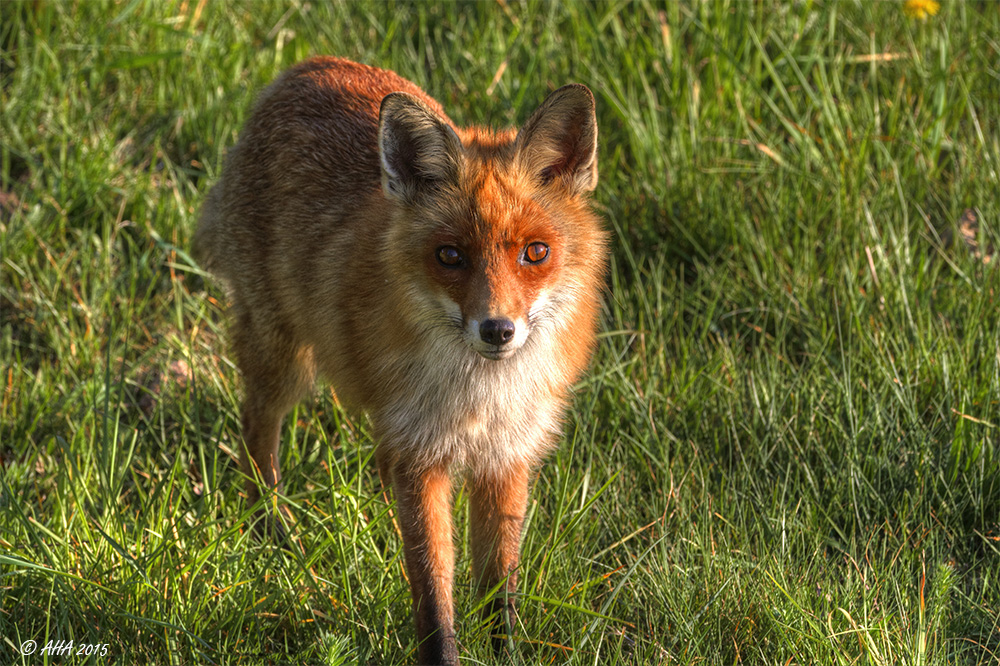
444 280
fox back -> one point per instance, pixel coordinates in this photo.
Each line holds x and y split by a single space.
445 280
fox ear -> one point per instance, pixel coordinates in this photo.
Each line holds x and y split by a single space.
559 141
416 147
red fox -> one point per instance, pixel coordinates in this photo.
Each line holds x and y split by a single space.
447 281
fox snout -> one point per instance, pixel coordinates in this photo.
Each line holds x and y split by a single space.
497 332
496 338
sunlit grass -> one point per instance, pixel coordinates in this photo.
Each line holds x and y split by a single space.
785 453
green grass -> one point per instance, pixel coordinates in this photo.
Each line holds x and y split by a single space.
786 451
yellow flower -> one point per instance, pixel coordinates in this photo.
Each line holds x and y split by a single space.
921 9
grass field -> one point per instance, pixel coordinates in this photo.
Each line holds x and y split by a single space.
787 450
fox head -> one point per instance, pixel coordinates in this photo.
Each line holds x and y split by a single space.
492 230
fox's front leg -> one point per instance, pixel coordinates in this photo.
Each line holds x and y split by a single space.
498 500
423 510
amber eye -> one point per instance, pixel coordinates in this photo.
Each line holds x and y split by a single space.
536 253
450 256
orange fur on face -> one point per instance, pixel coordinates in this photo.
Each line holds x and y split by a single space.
492 233
445 280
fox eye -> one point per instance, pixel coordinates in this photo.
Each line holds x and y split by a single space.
536 253
450 256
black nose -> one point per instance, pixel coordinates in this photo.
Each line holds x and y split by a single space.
497 331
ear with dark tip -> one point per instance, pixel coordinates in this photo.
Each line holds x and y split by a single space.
416 147
559 141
